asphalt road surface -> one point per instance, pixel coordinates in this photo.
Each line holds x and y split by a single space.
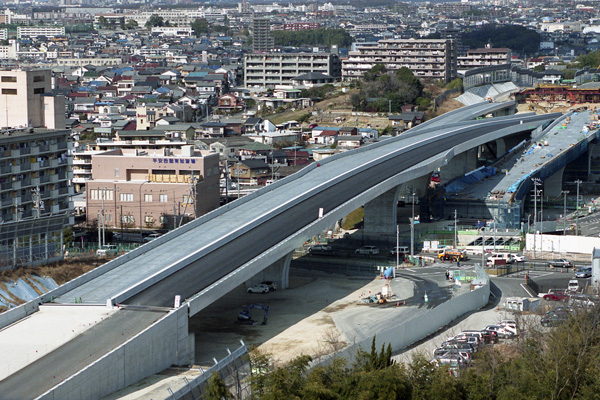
220 262
73 356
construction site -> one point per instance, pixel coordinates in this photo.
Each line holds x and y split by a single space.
557 98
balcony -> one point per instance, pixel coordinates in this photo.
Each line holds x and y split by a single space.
16 169
53 178
44 179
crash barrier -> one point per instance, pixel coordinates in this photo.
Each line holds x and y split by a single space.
234 370
156 348
416 328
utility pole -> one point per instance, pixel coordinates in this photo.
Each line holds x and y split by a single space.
578 181
542 226
565 193
455 232
536 182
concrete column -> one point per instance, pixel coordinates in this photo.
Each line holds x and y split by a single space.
459 165
381 215
591 148
500 147
278 272
553 184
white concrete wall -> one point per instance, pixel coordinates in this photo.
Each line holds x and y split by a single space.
414 329
161 345
562 244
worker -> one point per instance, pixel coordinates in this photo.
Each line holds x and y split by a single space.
447 275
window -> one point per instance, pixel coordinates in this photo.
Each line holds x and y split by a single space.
117 172
149 219
9 79
9 91
126 196
128 219
39 78
39 91
96 194
187 199
148 198
163 198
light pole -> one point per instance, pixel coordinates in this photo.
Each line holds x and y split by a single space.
412 227
565 193
397 245
141 232
483 246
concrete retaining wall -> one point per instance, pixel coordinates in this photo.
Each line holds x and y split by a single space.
562 244
163 344
412 330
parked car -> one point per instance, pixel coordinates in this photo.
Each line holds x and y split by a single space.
581 300
489 337
500 331
517 257
583 272
107 250
573 285
260 288
556 296
561 263
321 249
367 250
271 284
553 319
401 251
151 237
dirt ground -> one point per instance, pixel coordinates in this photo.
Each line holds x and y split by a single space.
300 319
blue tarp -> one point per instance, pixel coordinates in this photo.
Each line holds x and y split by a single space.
471 177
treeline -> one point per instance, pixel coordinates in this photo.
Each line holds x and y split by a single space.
380 91
590 60
313 37
561 363
517 38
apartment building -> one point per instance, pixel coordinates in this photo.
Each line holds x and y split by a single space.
35 194
35 31
80 62
300 26
483 58
426 58
25 100
261 35
270 69
154 188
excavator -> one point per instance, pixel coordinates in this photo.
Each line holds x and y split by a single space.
246 316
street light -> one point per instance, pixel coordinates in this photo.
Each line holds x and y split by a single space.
412 227
565 193
141 232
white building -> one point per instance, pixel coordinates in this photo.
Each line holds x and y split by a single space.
35 31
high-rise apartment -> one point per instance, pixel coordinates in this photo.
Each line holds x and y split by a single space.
261 35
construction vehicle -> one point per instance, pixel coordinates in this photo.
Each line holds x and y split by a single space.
452 254
246 316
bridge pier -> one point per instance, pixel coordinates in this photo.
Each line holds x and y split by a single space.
459 165
500 147
381 213
553 185
278 272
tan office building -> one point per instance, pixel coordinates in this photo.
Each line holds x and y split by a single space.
157 188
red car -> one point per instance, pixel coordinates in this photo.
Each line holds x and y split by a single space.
556 296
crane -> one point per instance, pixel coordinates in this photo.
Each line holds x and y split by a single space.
245 315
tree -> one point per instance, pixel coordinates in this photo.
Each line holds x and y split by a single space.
155 20
539 68
131 24
216 389
200 26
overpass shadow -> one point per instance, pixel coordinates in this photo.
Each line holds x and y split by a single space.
217 328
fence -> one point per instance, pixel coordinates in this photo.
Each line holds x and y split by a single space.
233 369
439 99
